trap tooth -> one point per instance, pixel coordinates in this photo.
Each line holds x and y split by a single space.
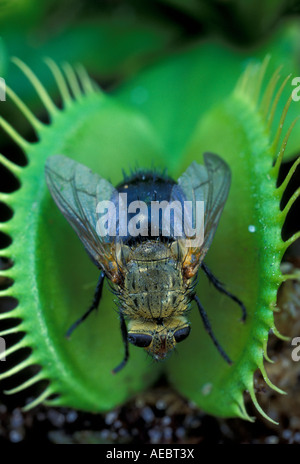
72 80
5 227
5 273
265 352
279 335
40 89
14 168
279 132
14 348
60 82
250 83
10 331
243 412
285 182
284 212
267 98
86 83
31 118
268 381
6 198
17 368
271 114
258 407
295 276
40 399
16 137
260 77
28 383
279 159
6 315
290 241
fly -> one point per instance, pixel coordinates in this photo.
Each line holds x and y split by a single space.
153 275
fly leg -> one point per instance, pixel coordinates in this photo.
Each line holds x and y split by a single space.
94 305
219 286
208 329
125 342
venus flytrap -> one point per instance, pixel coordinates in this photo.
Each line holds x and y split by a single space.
51 271
248 247
83 129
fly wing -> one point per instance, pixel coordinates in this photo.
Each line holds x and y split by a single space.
209 183
77 191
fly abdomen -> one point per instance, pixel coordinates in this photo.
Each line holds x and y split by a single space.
153 289
154 305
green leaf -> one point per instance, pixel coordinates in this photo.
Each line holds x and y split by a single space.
112 47
245 255
60 279
175 93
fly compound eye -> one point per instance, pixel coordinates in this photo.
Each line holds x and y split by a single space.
181 334
138 339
